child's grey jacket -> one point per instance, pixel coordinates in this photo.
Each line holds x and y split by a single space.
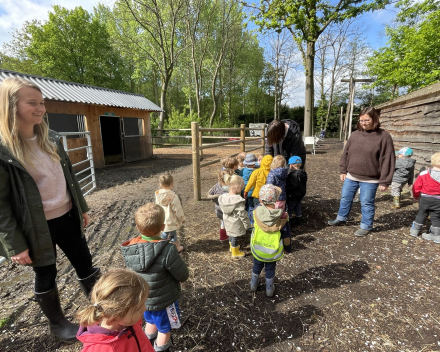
235 216
404 170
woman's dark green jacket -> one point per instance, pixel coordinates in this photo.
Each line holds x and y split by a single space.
22 221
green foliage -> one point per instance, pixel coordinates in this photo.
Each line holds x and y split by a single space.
410 58
4 322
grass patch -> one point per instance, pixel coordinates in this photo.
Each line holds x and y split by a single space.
4 322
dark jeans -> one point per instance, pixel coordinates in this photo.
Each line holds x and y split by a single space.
294 206
64 233
233 241
429 205
270 268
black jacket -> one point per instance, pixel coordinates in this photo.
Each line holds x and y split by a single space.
292 145
296 186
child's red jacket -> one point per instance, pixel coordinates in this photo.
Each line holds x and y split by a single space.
425 184
98 339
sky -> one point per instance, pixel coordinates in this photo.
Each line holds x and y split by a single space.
13 14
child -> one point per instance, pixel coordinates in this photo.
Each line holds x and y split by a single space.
403 174
240 158
169 201
270 237
159 263
277 177
229 163
427 187
296 187
216 191
235 216
259 157
114 315
249 163
258 179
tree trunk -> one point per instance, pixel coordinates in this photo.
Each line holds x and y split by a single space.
310 91
163 102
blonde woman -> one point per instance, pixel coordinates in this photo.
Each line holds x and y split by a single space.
41 204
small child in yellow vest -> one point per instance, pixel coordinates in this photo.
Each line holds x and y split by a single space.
270 238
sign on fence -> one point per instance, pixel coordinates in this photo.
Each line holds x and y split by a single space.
257 133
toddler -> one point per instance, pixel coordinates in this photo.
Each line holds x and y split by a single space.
277 177
259 157
296 187
159 263
427 188
258 178
114 315
229 163
270 237
170 202
216 191
403 174
235 215
249 163
240 157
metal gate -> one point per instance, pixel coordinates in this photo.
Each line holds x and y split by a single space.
91 185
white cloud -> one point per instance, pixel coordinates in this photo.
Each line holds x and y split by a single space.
13 13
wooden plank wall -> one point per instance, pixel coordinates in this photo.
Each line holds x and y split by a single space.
415 125
92 114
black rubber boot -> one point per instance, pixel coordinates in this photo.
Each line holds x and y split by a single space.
88 283
62 328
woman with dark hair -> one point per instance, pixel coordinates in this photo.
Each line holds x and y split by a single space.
284 138
366 164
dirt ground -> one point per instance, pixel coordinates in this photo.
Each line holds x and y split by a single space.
335 292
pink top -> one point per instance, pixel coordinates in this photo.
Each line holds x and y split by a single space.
50 180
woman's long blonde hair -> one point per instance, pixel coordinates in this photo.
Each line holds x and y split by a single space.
9 136
116 293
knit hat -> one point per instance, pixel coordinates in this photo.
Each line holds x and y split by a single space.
295 160
250 159
405 151
269 194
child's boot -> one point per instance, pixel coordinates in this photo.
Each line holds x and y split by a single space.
415 229
223 235
163 348
396 203
433 235
236 253
292 222
254 282
270 287
299 221
152 337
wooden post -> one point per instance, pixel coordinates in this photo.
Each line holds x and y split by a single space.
200 143
351 108
196 160
340 123
263 140
242 137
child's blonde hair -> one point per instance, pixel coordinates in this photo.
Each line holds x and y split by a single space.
277 162
149 219
240 158
435 160
116 293
166 180
228 162
235 182
224 176
260 156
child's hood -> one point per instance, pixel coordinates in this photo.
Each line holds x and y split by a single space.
97 335
228 203
266 161
281 172
269 219
407 163
164 197
140 254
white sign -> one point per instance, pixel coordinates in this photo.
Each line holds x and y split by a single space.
257 133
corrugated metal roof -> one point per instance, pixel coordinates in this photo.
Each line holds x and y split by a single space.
419 94
55 89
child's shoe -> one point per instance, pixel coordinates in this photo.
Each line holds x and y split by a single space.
292 222
163 348
254 282
396 203
299 221
152 337
223 235
270 287
433 235
415 229
236 253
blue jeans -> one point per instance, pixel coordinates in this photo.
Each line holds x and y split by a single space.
367 196
172 235
269 266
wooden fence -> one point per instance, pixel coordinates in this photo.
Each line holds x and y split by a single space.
197 146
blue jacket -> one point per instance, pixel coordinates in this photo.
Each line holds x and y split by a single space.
246 174
278 177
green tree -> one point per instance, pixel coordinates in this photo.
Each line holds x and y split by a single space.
72 45
307 20
411 58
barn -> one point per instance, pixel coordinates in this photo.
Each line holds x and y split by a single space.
413 120
118 122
